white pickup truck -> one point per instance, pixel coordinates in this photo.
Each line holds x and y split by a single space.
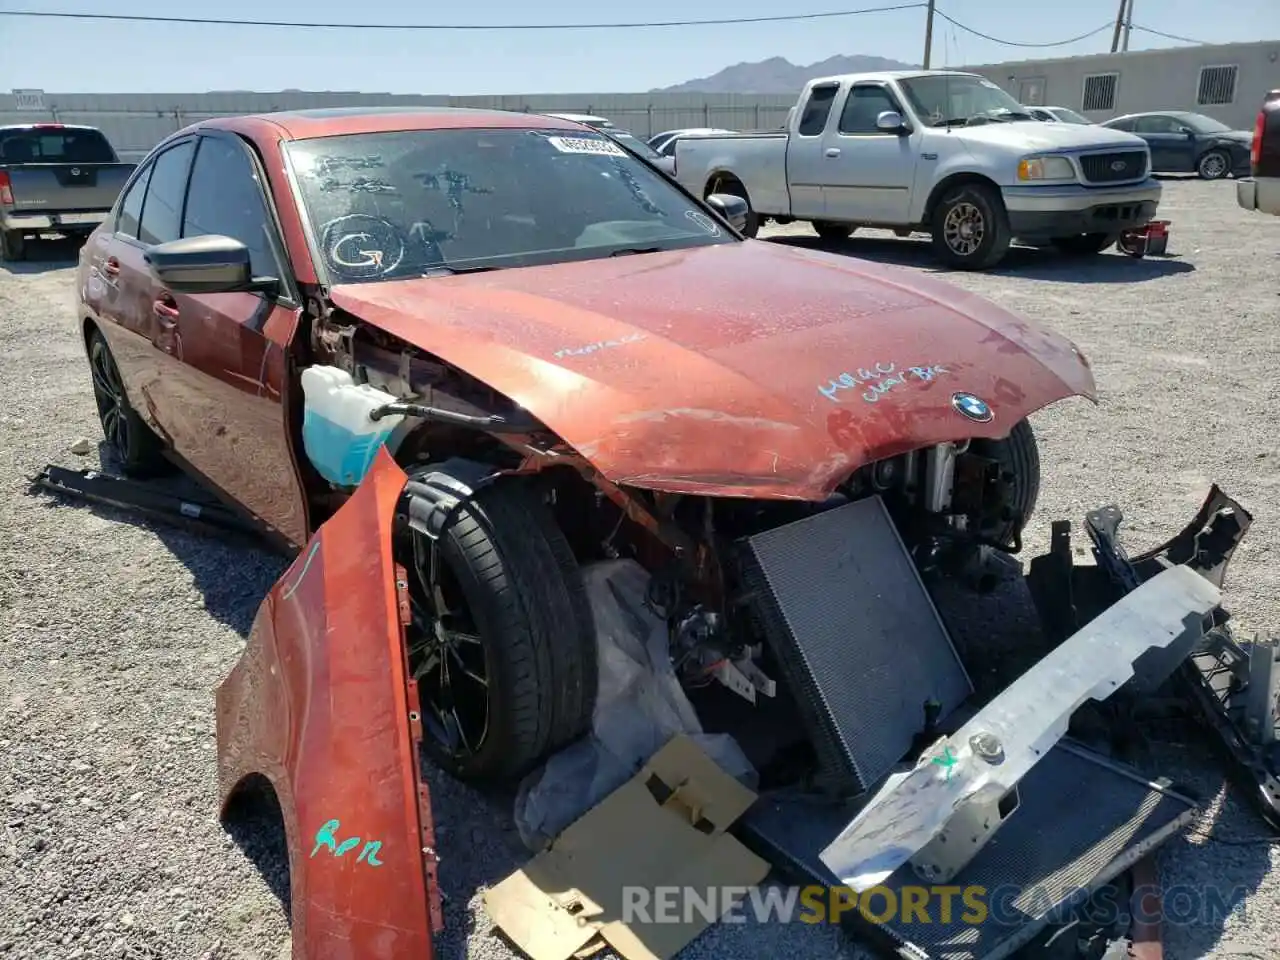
949 154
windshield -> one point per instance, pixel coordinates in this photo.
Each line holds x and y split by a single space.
1070 116
54 145
949 98
425 202
632 142
1202 124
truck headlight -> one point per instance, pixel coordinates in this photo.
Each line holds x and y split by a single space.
1046 168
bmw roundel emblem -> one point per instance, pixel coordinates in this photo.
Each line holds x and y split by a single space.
971 407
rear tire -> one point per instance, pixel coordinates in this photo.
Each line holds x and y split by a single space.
139 451
833 231
512 570
1085 244
970 227
1019 455
13 247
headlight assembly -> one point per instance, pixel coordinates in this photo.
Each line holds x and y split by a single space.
1046 168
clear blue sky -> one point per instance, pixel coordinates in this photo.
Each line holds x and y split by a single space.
79 56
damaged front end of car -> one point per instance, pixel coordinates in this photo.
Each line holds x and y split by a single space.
802 642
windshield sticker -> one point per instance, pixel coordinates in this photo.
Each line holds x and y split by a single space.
601 147
703 221
876 382
591 348
989 85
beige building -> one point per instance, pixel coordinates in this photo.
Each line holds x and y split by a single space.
1224 81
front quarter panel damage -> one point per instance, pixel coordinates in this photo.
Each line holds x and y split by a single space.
320 705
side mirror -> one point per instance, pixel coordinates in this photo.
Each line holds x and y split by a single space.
891 121
209 264
732 208
1187 131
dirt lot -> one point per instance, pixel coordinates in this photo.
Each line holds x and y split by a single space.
113 633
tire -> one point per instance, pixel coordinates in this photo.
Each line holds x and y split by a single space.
833 231
1214 165
1019 455
139 451
13 247
1085 244
981 207
734 188
505 559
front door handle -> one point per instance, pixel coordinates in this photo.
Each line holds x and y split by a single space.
832 152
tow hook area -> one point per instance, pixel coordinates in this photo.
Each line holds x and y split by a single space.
1151 238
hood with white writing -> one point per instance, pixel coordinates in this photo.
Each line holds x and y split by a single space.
748 369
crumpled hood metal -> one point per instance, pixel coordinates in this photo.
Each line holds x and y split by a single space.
745 369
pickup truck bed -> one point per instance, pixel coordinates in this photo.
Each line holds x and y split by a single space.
55 179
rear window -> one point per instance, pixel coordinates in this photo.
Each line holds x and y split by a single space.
54 145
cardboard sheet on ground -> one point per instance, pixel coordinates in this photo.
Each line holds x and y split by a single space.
663 828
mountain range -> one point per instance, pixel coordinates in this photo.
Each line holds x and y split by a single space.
780 75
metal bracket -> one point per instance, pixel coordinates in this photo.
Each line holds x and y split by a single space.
431 501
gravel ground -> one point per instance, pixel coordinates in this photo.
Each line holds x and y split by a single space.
113 633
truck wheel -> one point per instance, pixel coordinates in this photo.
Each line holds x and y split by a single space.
970 227
138 450
502 640
1019 455
833 231
1214 165
12 247
736 189
1083 244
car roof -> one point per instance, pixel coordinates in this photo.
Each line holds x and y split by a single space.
588 118
47 125
340 121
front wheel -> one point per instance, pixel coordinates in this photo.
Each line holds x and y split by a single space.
1018 455
970 227
1084 244
1214 165
501 641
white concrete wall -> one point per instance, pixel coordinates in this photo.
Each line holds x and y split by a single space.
1150 80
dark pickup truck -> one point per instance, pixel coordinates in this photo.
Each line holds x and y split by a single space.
1262 190
54 178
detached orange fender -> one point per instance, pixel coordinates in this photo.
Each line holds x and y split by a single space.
321 704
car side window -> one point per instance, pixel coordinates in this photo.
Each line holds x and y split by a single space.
1156 125
225 199
1125 125
162 210
131 205
865 103
816 110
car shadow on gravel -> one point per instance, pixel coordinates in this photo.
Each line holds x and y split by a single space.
45 256
1028 262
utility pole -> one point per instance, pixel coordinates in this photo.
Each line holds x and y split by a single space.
1115 37
1128 25
928 33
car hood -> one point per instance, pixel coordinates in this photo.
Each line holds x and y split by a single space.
741 369
1029 135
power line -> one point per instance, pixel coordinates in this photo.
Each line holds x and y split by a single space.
1015 43
1170 36
138 18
